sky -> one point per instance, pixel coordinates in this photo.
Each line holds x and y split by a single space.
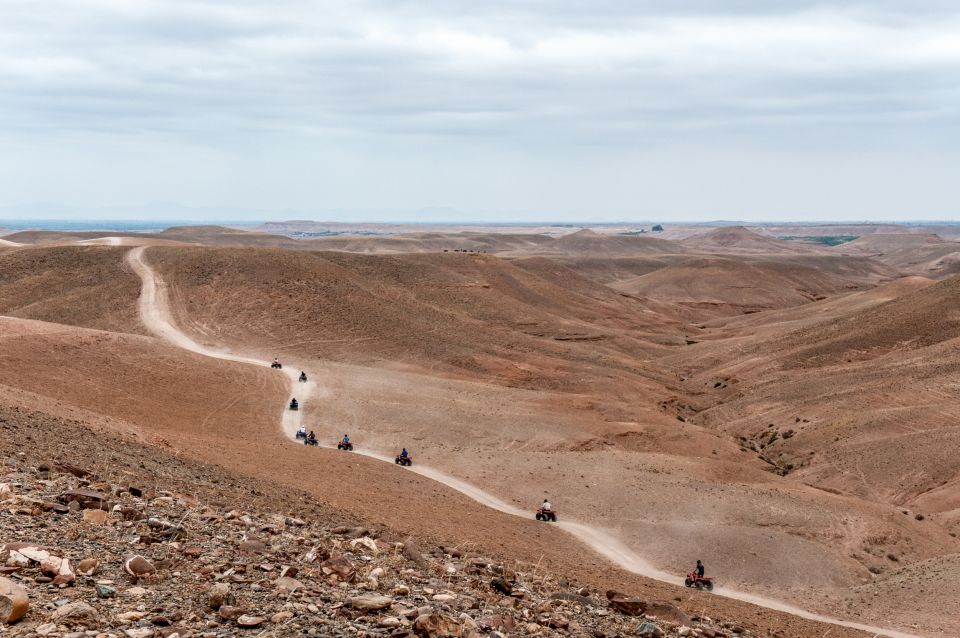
569 110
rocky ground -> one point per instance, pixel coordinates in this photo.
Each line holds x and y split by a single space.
99 538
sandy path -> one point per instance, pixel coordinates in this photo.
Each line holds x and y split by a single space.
9 244
155 314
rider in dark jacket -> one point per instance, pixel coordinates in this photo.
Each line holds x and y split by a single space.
700 569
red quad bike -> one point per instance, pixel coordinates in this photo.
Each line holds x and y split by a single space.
345 446
546 515
698 582
401 460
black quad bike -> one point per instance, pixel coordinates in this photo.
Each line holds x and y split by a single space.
546 515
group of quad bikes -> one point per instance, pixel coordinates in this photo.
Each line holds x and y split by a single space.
311 439
693 579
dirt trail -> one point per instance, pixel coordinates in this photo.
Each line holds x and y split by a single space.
9 244
156 316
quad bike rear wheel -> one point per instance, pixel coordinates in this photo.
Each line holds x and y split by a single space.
708 586
688 582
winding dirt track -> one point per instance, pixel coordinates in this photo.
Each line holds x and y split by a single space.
155 314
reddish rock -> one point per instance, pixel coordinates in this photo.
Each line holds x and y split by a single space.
630 605
228 612
95 517
340 567
137 566
441 626
87 499
14 601
668 612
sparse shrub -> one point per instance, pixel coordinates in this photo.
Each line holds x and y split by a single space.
875 569
919 517
893 558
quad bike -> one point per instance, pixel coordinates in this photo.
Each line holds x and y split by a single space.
303 377
345 446
546 515
276 365
309 441
301 435
404 460
294 405
698 582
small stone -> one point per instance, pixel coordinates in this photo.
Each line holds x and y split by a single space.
649 630
251 621
389 622
138 566
105 591
78 613
94 517
14 601
88 566
130 616
370 603
228 612
135 592
281 616
219 595
444 598
287 585
46 629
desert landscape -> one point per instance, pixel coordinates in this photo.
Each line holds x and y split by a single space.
777 401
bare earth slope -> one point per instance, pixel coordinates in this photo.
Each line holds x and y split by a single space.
483 433
82 286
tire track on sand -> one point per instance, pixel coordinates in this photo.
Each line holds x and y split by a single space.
156 317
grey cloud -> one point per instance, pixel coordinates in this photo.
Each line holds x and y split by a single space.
396 88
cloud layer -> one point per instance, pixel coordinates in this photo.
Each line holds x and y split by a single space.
556 110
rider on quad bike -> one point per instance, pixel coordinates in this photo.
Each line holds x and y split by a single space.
276 363
345 443
294 405
303 377
546 513
302 432
311 439
404 458
697 580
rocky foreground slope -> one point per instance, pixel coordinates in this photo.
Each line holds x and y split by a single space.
107 539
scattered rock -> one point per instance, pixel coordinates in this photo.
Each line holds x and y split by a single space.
370 603
251 621
88 566
649 630
229 612
14 601
219 595
340 567
78 613
105 591
287 585
630 605
437 626
137 566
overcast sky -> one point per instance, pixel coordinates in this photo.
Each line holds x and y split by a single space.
481 110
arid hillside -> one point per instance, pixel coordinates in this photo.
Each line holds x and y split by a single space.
190 425
81 286
784 416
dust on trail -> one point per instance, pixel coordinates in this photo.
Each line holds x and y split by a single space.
155 314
